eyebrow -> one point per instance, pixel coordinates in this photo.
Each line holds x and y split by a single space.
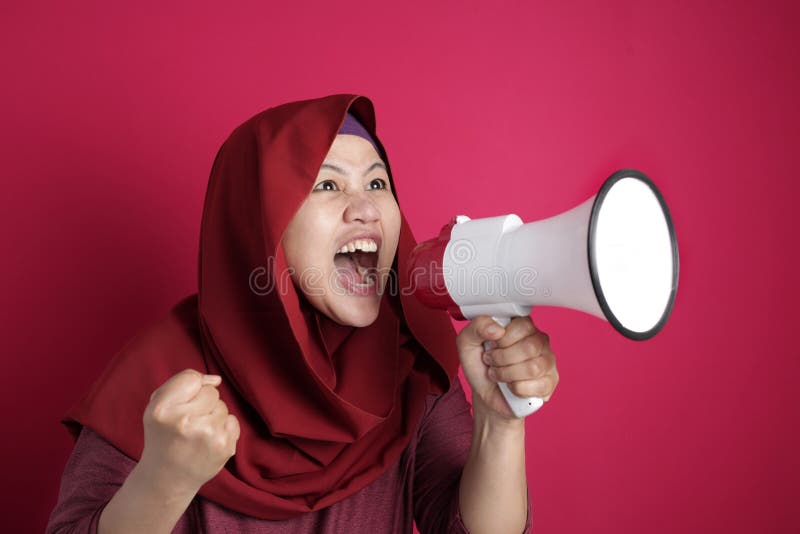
376 165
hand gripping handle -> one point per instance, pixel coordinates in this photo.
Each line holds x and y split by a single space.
521 406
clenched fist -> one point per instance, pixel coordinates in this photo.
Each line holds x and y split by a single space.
188 433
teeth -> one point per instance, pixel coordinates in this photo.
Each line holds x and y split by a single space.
367 245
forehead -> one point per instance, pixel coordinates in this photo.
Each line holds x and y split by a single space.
352 148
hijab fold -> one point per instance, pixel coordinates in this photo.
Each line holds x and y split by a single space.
324 409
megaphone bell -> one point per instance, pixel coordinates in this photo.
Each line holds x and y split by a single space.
614 256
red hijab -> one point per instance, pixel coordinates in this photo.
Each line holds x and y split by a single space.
324 409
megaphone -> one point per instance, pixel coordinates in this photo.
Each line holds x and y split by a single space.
615 256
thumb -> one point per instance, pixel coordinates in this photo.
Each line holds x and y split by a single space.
184 386
470 350
480 329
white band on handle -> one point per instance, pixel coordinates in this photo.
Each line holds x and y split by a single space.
521 406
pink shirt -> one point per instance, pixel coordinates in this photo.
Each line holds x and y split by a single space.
421 486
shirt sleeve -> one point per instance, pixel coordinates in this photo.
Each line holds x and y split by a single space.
94 473
442 449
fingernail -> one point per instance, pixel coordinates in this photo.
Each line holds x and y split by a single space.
493 329
487 359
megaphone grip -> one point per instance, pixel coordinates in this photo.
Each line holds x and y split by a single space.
521 406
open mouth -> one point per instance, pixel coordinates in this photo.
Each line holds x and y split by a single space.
359 267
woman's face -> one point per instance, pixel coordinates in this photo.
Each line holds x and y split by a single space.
341 242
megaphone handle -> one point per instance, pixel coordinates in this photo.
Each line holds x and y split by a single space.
521 406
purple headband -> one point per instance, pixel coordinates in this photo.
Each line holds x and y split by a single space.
352 126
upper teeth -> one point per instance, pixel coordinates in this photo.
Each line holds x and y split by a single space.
367 245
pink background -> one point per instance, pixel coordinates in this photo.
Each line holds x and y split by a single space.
111 119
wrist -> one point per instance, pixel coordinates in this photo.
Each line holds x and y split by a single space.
487 422
146 502
163 482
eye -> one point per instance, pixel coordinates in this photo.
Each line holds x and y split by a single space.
378 183
327 185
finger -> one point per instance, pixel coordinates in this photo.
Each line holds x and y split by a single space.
528 347
219 414
232 426
203 403
214 420
478 330
542 388
212 380
233 431
530 369
518 329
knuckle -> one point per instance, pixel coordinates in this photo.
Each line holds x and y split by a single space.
219 441
159 413
500 374
208 434
184 425
233 424
525 326
479 325
186 376
496 356
530 327
192 375
531 346
535 367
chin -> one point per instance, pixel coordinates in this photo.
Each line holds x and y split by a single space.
356 314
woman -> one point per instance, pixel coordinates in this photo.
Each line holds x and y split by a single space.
301 389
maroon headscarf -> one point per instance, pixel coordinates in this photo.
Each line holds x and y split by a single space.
324 409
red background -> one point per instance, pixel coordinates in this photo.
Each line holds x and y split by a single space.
111 119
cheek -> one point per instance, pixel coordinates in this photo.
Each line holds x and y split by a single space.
306 239
392 222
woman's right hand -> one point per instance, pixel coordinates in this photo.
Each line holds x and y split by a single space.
188 433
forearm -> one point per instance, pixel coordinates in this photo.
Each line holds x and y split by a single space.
493 493
144 504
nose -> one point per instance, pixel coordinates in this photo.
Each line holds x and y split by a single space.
361 208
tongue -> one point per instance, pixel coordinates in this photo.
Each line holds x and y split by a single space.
346 265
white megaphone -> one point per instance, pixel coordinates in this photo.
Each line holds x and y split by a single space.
615 256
